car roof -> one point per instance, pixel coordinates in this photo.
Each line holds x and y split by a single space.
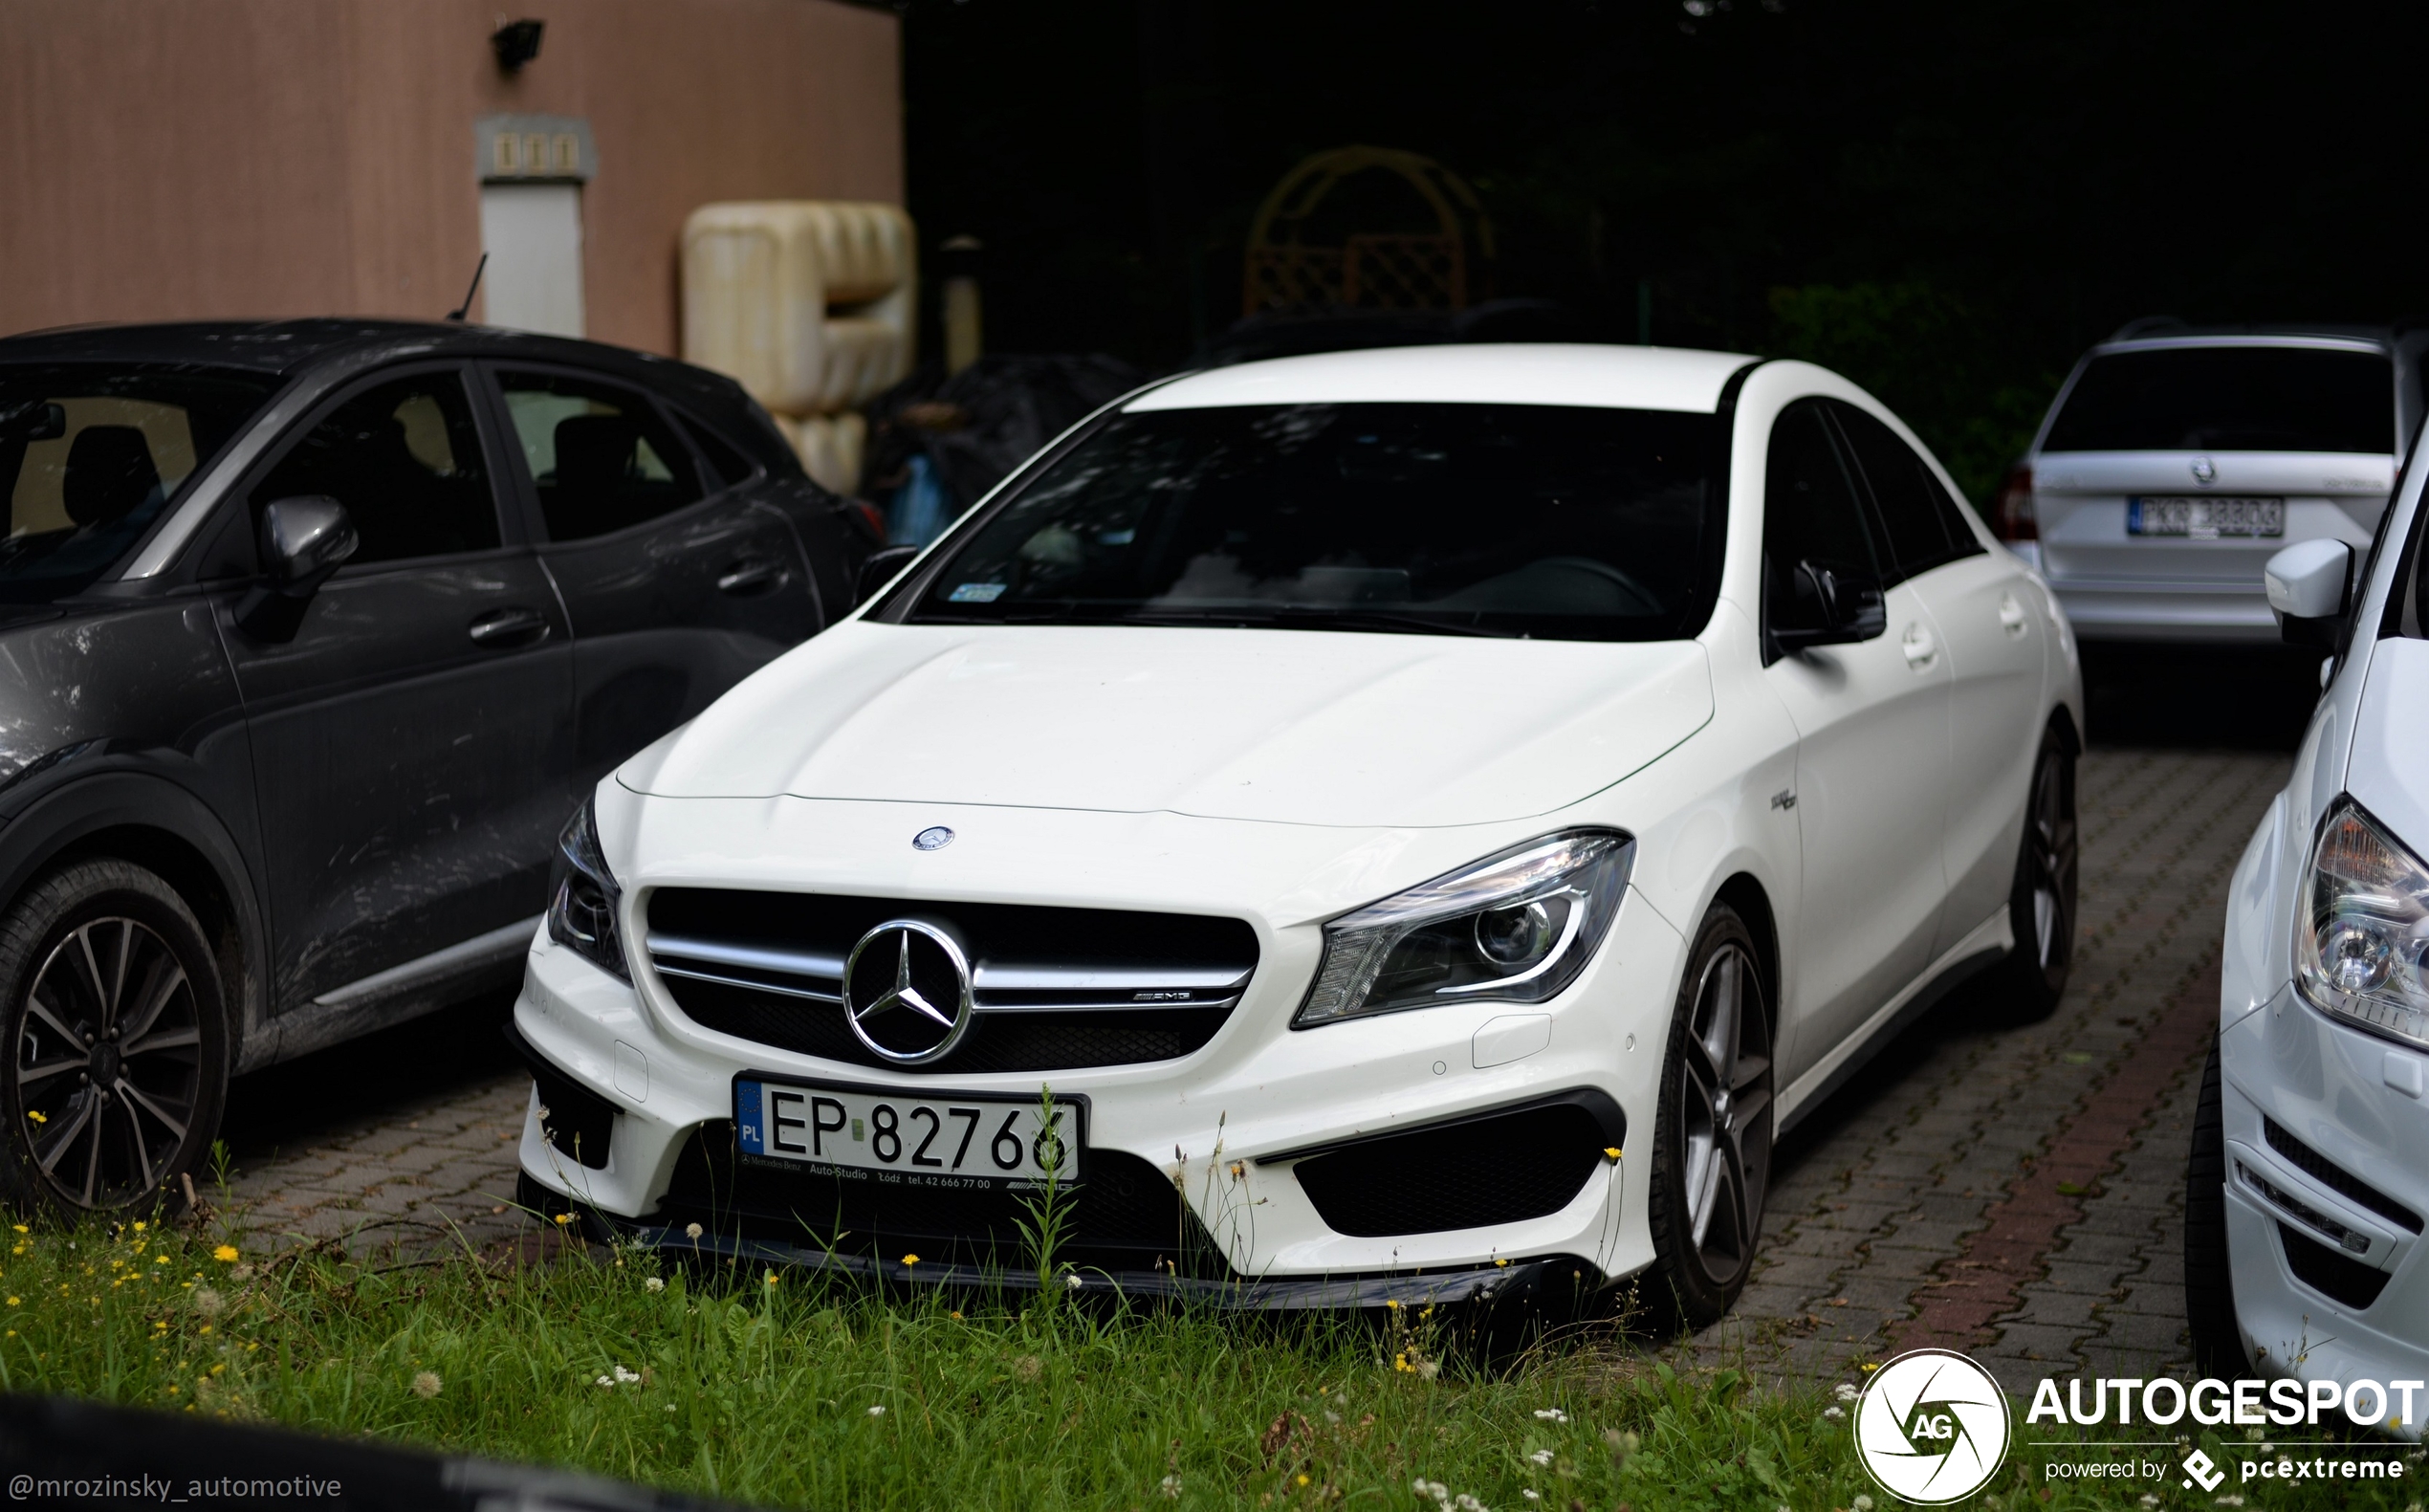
2143 335
288 348
1575 376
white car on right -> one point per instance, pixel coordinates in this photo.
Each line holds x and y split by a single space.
2308 1186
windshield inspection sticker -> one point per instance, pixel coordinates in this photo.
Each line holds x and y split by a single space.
976 593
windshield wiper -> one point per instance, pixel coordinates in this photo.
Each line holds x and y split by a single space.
1298 618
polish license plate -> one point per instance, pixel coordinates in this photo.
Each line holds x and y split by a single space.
2204 517
948 1140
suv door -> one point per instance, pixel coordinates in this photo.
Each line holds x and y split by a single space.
405 740
1992 626
678 584
1871 721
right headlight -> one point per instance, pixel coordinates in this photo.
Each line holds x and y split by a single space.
1513 928
2363 931
583 895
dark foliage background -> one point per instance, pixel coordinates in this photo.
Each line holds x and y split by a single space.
1947 201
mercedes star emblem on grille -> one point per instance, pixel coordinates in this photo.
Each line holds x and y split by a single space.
906 991
935 838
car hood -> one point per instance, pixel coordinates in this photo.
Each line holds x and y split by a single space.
1288 726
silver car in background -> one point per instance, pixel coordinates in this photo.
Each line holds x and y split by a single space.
2178 459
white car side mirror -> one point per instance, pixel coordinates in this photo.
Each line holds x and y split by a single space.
2306 581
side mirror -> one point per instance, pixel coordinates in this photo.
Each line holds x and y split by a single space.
880 569
1828 608
303 540
2309 583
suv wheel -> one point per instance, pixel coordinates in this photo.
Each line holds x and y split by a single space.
118 1042
1712 1134
2209 1284
2040 905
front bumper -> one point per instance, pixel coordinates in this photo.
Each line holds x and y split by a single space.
1225 1125
2339 1094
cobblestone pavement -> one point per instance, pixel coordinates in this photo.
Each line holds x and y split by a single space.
2015 1192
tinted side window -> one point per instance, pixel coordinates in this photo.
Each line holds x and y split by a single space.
599 455
405 460
1911 502
1810 511
729 465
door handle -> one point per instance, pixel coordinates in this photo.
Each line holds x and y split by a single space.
1918 646
501 628
749 574
2011 614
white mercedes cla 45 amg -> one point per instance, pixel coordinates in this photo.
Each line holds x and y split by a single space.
2308 1179
1428 818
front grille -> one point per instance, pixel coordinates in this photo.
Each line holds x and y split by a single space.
2337 1277
1126 1215
1053 989
2336 1178
1502 1169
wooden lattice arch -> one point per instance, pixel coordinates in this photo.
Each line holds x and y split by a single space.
1400 269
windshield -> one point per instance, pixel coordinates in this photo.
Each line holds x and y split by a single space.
90 454
1434 519
2230 399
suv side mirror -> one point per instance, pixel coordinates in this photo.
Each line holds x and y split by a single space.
303 540
1828 608
880 569
2309 583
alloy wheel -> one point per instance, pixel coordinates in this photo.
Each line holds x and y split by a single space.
1724 1112
2052 839
109 1062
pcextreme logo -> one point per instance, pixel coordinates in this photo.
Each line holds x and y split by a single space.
1932 1427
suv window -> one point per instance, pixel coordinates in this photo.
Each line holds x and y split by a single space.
600 456
90 454
405 459
1920 519
1811 508
2229 398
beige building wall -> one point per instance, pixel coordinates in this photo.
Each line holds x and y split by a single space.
198 159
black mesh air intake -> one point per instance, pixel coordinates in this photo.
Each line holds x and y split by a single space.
1499 1168
2335 1276
2336 1178
1125 1215
578 1121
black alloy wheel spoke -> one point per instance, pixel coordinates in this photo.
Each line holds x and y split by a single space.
113 1005
1724 1101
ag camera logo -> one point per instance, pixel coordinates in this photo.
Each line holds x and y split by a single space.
1932 1427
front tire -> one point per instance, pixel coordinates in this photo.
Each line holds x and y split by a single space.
2209 1277
117 1042
1712 1135
2041 904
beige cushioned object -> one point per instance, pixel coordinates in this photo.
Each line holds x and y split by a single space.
807 302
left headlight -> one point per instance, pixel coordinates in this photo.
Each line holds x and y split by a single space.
584 897
2361 938
1513 928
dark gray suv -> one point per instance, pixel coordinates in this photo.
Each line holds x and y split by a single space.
312 633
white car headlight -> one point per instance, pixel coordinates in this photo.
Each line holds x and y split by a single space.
1513 928
2360 940
583 896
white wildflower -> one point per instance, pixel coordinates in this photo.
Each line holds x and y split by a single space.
1834 1413
208 1302
691 1231
1845 1391
620 1377
1861 1504
2150 1500
2267 1447
1540 1457
653 1284
1467 1503
878 1410
1551 1414
1171 1487
426 1385
1072 1281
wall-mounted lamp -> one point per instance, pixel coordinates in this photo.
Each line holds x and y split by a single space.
516 43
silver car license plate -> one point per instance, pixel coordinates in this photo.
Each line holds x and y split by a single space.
951 1140
2205 517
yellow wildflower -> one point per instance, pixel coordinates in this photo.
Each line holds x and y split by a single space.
225 1254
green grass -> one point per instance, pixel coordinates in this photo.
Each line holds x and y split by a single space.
769 1389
